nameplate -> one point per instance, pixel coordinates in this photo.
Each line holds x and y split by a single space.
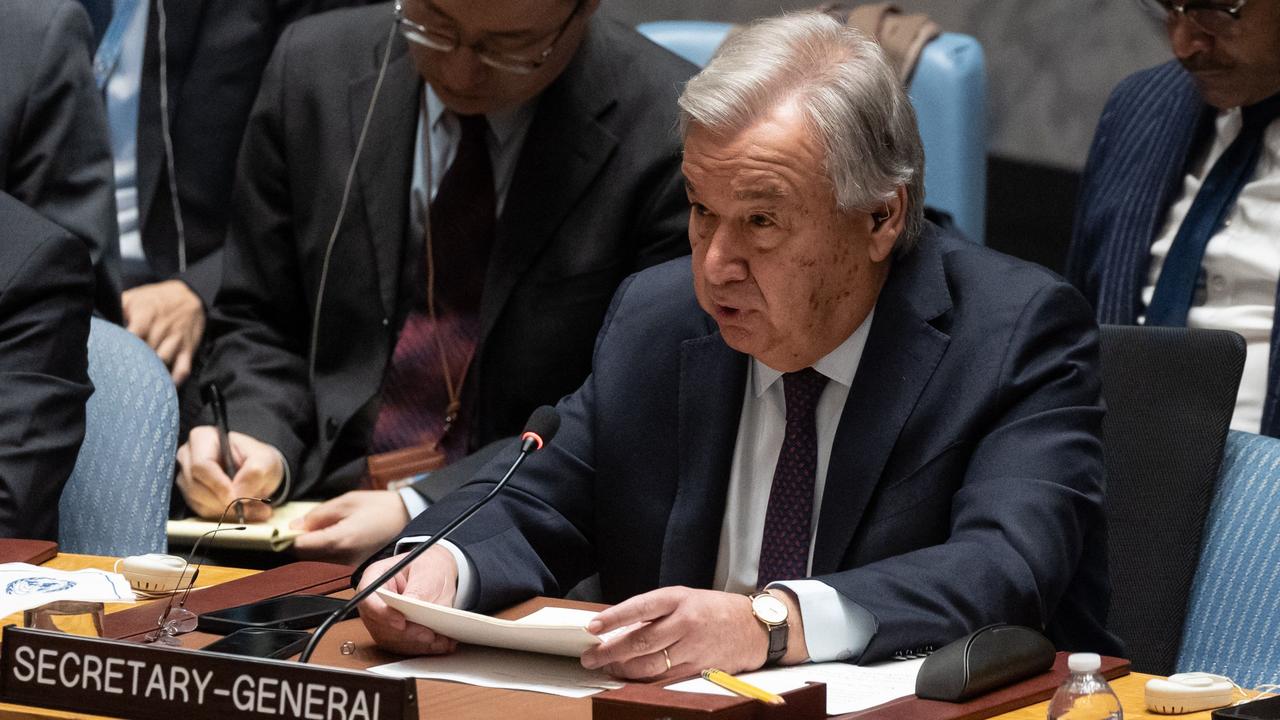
109 677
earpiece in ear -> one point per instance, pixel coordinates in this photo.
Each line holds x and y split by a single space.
879 219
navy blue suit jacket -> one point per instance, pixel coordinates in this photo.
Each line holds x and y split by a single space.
1153 126
965 484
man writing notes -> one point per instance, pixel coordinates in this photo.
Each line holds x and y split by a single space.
1179 213
834 433
520 161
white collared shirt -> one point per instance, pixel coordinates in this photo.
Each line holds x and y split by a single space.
835 628
761 429
1241 262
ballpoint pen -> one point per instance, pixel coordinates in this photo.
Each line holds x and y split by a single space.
740 687
212 396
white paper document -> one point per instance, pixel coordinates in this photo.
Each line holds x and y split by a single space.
850 688
509 669
24 586
554 631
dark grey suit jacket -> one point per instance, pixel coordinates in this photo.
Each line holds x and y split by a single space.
55 152
596 194
217 50
965 485
46 299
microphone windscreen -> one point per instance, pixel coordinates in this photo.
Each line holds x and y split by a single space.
544 422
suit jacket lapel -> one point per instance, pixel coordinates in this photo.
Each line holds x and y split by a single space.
385 170
712 379
565 148
902 351
1151 156
183 32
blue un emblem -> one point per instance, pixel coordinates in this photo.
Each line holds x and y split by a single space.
37 586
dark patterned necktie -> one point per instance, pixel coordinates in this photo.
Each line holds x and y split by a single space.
463 218
1176 286
415 399
784 550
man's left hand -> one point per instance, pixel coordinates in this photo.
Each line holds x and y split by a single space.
697 629
169 317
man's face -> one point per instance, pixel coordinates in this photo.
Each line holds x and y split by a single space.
1236 69
785 274
519 28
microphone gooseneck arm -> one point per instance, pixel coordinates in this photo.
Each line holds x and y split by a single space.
527 447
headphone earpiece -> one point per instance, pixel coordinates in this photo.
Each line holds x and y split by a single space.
879 219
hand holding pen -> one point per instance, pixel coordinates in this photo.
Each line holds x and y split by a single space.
212 397
208 489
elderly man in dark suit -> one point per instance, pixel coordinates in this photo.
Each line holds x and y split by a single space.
54 152
46 299
460 279
1178 220
836 433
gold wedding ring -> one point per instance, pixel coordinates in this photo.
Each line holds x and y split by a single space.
666 656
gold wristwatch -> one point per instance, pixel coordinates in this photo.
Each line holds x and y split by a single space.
772 613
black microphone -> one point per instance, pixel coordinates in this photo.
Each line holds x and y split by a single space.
539 430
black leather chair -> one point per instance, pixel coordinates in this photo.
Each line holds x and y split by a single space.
1170 393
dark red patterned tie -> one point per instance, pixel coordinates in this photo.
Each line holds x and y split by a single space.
463 216
784 550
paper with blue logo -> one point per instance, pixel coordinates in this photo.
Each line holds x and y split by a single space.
24 586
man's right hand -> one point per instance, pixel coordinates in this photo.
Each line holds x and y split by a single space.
432 577
207 488
350 527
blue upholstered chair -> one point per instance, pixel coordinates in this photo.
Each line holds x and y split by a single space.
693 40
948 91
117 499
1233 622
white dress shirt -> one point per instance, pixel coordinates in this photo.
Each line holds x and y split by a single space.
1241 262
835 628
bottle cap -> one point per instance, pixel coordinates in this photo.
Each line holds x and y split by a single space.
1083 662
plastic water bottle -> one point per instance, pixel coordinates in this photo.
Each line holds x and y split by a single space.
1086 695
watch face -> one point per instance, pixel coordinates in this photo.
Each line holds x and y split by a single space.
769 609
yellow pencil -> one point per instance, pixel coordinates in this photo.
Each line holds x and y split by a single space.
738 687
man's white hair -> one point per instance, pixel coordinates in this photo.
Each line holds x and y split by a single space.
839 80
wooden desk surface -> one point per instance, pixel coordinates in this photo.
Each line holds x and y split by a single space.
209 575
465 702
1130 689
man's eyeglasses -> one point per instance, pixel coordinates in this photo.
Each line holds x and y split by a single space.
1215 17
175 621
445 41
